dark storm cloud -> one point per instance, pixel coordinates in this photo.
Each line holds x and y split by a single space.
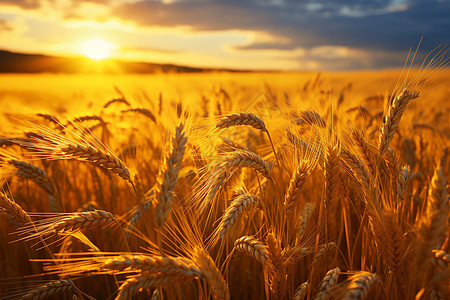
372 25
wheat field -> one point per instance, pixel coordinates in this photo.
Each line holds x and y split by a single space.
226 186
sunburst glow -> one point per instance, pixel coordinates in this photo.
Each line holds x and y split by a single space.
97 49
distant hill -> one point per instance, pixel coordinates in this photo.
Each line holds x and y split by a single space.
11 62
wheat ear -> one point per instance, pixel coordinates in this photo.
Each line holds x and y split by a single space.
360 285
218 286
392 118
98 157
237 208
313 118
66 223
33 173
243 158
328 282
152 264
365 151
50 289
55 146
301 291
432 225
168 176
14 209
242 119
253 247
134 285
358 169
403 181
331 170
295 186
142 111
305 215
441 258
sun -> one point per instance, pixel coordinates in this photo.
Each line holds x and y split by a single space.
97 49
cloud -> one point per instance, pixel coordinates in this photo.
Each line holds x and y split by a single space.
331 34
372 25
5 26
25 4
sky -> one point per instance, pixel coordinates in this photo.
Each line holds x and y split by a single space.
241 34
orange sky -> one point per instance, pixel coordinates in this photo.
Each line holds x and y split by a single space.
247 34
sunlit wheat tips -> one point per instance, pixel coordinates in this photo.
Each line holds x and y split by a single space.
393 116
168 176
